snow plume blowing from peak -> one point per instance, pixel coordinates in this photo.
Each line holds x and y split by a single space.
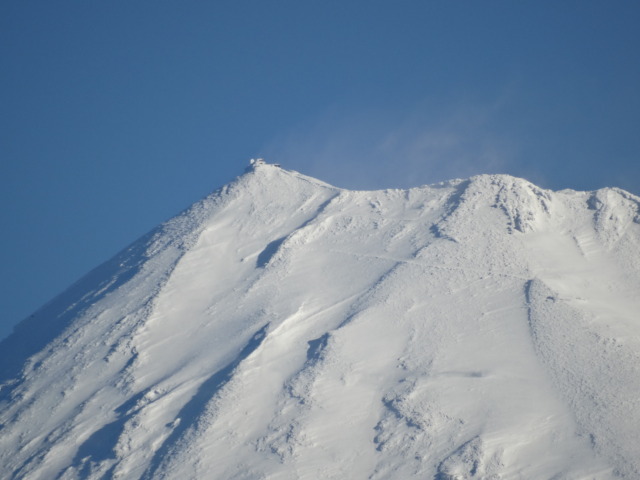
284 328
433 142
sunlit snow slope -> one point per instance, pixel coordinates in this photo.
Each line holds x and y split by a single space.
283 328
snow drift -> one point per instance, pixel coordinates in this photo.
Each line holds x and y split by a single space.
284 328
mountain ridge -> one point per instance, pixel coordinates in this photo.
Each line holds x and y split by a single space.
236 339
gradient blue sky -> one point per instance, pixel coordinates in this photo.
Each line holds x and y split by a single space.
117 115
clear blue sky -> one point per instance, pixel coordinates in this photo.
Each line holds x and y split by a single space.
117 115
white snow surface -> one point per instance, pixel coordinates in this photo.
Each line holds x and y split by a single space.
283 328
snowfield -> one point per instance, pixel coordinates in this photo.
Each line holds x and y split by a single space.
282 328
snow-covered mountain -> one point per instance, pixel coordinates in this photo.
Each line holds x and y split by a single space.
283 328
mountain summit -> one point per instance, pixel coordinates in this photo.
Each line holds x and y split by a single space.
285 328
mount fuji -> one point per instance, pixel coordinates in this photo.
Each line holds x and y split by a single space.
283 328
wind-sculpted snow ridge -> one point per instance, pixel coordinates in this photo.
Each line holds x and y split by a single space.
284 328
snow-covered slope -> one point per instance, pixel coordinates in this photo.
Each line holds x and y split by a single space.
283 328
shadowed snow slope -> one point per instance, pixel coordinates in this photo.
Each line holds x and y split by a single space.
283 328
